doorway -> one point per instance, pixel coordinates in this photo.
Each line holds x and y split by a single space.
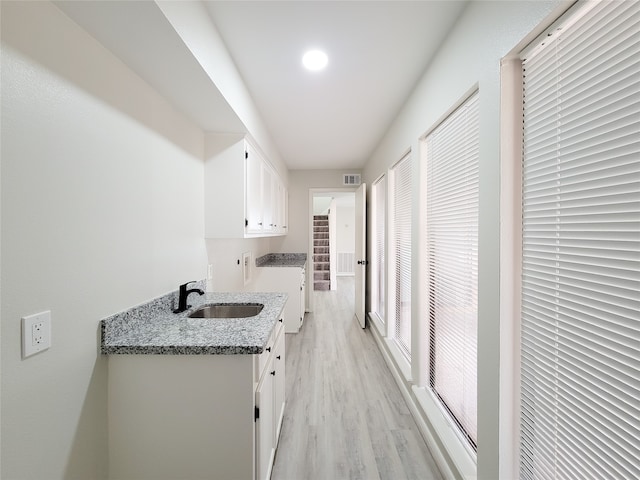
331 239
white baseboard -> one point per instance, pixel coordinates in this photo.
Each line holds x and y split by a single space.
447 468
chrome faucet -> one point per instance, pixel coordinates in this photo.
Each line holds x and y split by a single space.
182 297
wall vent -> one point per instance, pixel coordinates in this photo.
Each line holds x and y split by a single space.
346 263
351 179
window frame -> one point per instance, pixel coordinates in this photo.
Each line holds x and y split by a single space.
393 288
575 299
378 276
511 154
452 133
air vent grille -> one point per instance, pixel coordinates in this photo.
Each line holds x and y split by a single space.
351 179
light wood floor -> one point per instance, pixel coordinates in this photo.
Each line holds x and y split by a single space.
345 417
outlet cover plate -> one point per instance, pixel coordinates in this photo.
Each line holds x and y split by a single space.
36 333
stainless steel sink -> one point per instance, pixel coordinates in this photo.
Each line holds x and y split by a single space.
228 310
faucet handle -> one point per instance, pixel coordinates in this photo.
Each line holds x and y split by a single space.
184 285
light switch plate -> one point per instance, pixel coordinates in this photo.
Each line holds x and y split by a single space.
246 267
36 333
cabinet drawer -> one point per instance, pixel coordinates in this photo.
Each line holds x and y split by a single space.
263 358
278 327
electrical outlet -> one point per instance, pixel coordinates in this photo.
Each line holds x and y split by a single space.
36 333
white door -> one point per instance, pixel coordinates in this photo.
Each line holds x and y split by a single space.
361 252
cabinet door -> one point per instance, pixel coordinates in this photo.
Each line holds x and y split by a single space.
265 446
267 198
254 208
280 207
279 386
277 205
284 210
303 295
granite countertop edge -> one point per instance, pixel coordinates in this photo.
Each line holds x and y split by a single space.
153 328
282 260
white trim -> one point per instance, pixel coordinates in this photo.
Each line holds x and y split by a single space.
511 240
374 299
457 136
399 358
309 270
452 441
426 430
377 322
392 223
465 96
510 264
565 19
558 11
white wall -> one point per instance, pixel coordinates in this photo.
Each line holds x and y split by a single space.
224 255
321 205
297 240
471 55
332 245
194 25
300 182
102 209
345 228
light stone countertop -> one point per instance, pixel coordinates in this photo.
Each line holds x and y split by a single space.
282 260
153 328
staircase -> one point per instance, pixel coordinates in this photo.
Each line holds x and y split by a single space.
321 264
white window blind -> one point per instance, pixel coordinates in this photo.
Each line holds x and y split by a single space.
379 216
402 248
452 263
580 320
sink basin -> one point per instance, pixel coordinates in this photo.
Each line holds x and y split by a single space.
228 310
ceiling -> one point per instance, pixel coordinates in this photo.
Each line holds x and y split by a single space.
377 52
334 118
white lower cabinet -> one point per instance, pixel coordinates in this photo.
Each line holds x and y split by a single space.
279 393
270 409
290 280
196 416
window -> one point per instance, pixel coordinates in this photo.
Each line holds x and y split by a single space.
452 263
580 320
401 238
378 294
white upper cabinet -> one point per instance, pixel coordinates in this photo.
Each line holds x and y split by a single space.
253 192
267 199
244 196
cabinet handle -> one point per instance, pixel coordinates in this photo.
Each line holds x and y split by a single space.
268 349
278 357
280 320
273 373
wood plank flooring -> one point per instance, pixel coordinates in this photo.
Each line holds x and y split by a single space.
345 417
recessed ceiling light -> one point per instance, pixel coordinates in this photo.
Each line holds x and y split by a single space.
315 60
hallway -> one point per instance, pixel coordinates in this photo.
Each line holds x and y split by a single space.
345 417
